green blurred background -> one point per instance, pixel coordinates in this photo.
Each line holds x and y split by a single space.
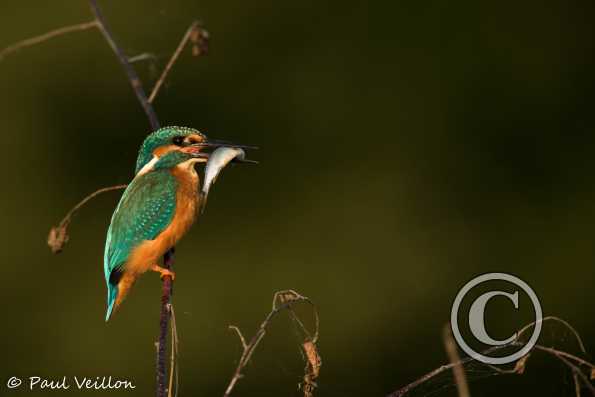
406 147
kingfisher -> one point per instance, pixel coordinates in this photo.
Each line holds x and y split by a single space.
157 208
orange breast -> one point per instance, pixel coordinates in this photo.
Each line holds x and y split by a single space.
149 252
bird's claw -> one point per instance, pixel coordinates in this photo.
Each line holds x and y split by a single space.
163 272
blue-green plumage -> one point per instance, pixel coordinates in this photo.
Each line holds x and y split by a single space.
147 206
145 210
158 138
155 210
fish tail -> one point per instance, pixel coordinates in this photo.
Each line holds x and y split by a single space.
202 202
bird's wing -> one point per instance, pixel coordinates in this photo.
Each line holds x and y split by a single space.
146 208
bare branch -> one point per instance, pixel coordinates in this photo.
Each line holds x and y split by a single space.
572 361
561 354
242 339
145 56
577 385
313 360
554 319
288 298
199 38
135 82
173 365
578 374
45 37
84 201
58 236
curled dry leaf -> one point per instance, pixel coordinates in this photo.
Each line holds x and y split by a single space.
57 238
200 41
519 367
312 369
313 357
286 297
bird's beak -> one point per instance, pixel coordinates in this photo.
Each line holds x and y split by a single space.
195 149
215 143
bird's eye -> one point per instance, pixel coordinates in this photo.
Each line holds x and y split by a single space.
178 140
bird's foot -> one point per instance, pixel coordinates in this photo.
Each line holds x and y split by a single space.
163 272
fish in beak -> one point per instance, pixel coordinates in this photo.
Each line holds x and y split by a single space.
224 153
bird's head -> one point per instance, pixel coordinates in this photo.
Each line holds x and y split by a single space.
170 146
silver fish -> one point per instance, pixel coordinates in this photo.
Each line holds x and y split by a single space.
217 161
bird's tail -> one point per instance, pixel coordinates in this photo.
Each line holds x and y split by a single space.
117 292
112 294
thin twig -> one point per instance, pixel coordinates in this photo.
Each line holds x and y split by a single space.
432 374
173 365
577 385
84 201
145 56
579 340
569 359
58 235
289 298
289 295
453 356
561 354
309 348
242 339
45 37
576 371
132 76
194 33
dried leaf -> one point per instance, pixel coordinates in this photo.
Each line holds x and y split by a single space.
200 41
519 368
313 357
592 373
195 35
57 238
288 296
312 369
